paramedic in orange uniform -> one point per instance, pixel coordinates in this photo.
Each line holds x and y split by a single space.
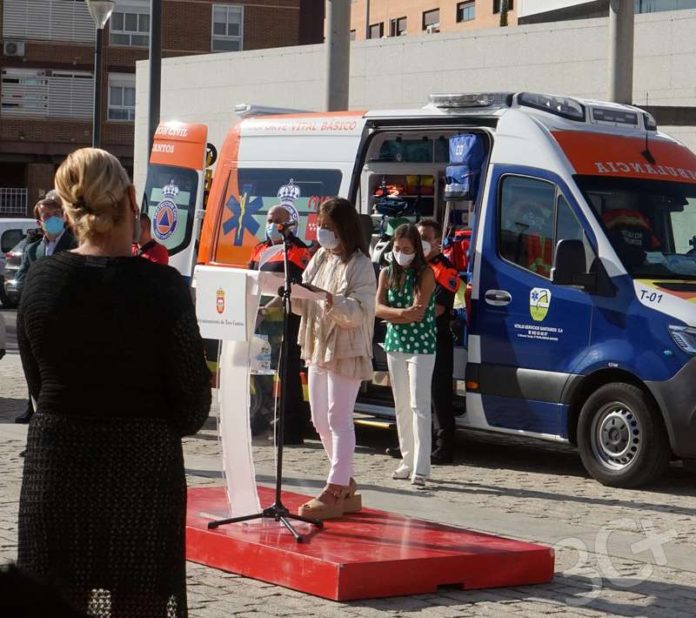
630 233
447 284
296 412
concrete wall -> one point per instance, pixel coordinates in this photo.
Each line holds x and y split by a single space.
565 58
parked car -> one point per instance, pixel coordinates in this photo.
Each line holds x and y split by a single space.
12 230
3 336
11 289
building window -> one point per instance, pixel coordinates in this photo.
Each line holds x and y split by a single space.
130 26
53 20
397 27
498 5
121 97
431 20
466 11
377 30
47 93
228 26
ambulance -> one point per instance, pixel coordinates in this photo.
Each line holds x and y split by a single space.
581 275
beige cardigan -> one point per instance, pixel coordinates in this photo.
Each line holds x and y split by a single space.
339 339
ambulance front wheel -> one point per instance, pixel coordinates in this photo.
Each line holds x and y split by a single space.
621 438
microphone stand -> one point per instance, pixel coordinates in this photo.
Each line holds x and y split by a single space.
278 511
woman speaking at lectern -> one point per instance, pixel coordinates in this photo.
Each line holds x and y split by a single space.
103 501
336 341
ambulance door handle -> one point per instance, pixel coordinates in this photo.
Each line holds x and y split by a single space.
498 298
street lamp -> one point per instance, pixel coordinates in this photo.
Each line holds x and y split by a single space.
100 10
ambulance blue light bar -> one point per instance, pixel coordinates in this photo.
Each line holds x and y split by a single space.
560 106
475 99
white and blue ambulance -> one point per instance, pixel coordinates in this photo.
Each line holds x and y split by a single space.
581 277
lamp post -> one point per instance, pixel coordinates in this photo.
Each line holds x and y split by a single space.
153 114
100 10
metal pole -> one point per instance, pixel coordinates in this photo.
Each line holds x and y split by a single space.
621 50
96 112
367 19
337 54
155 71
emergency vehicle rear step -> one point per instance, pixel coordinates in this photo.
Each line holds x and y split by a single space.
365 417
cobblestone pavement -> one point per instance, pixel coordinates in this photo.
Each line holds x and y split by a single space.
618 552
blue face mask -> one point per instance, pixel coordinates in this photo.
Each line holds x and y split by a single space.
273 233
54 225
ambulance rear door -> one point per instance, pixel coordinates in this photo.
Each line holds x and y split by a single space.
174 191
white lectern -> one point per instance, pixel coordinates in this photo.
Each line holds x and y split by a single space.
227 303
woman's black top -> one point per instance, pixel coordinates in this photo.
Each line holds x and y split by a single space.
112 353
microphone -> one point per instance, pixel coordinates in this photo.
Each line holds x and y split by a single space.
286 228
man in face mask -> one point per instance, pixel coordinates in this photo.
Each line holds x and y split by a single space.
56 238
447 281
268 256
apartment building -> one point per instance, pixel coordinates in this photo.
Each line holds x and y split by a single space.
47 71
374 19
545 11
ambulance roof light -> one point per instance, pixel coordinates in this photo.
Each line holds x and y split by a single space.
474 99
560 106
246 110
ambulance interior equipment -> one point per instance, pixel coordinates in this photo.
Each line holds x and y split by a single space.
405 177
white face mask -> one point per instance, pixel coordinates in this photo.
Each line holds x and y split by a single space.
403 259
427 247
327 238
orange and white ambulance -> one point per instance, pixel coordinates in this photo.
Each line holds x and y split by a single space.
175 189
581 275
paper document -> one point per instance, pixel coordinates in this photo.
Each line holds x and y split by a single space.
270 283
303 293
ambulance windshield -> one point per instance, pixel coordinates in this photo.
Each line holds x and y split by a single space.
170 201
651 224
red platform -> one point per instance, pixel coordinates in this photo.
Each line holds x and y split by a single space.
366 555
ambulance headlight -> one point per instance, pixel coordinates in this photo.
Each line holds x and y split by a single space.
684 337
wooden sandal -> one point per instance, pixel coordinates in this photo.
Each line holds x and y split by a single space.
352 503
317 508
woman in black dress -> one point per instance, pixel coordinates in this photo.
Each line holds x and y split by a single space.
112 354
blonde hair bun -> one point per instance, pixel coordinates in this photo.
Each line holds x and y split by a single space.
93 187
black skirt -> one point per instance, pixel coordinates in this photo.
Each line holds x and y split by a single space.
102 514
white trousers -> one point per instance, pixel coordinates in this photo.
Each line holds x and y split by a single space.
332 399
411 376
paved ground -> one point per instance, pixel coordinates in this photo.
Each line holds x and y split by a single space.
618 552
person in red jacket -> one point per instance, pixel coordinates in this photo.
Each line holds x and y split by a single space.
147 246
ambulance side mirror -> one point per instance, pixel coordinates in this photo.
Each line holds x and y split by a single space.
569 266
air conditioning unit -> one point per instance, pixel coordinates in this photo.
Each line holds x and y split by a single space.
432 28
13 48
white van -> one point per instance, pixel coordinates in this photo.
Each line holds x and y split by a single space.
581 274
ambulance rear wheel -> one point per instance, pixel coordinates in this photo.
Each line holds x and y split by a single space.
621 438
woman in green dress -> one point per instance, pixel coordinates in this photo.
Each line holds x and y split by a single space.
405 300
